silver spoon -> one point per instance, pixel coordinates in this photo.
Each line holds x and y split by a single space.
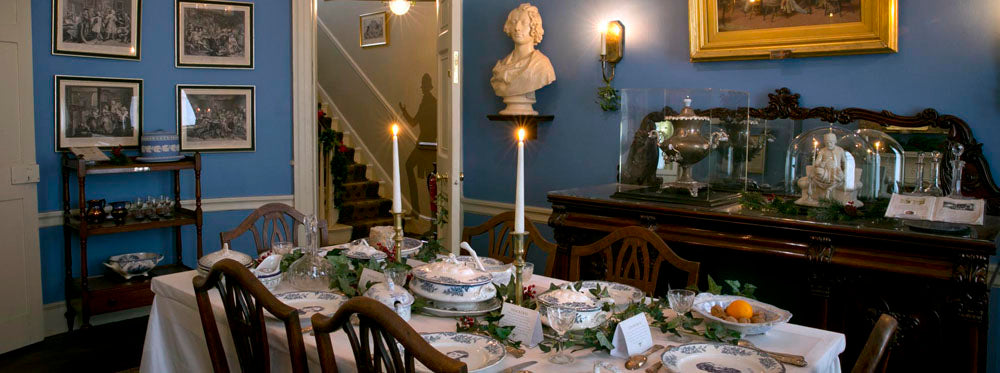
637 361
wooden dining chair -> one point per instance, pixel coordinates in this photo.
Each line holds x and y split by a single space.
875 354
633 256
374 341
245 299
501 244
274 226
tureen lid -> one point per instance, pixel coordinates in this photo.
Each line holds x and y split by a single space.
490 264
389 294
687 113
568 298
451 272
210 259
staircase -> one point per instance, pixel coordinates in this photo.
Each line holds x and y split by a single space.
362 206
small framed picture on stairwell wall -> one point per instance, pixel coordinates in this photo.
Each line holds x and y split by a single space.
374 29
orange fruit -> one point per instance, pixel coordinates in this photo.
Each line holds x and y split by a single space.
739 309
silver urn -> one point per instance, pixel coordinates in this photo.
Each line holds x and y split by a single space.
687 147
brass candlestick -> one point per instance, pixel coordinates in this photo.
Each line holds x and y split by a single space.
518 266
397 218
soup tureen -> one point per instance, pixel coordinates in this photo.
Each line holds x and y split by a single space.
587 306
452 282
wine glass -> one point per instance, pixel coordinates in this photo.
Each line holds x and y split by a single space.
681 301
561 319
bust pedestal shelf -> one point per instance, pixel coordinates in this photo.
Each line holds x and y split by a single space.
528 122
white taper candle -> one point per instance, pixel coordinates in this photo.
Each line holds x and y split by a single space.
519 188
397 199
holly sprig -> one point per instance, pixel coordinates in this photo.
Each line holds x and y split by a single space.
489 326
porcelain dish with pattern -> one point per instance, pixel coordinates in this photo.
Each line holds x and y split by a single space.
501 271
453 282
621 295
394 297
715 357
134 264
703 306
588 307
269 271
208 260
410 245
479 353
445 309
310 303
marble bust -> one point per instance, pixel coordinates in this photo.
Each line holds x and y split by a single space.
832 175
517 76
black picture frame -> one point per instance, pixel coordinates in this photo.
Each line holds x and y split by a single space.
75 123
211 133
208 49
62 43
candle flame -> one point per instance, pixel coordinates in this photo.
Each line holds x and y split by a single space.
521 134
395 129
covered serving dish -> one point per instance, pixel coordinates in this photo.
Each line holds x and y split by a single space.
587 306
395 297
206 262
452 282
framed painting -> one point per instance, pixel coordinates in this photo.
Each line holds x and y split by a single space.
216 118
101 112
374 29
776 29
97 28
214 34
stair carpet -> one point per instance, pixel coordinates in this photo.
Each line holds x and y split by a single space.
362 207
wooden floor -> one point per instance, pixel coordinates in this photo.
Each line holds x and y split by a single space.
113 347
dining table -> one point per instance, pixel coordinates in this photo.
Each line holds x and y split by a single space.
175 340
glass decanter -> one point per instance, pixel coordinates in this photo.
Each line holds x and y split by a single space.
311 272
957 164
935 182
918 188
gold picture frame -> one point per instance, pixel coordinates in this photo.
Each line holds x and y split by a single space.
373 29
874 31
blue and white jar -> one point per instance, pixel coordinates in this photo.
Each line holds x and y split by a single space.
160 146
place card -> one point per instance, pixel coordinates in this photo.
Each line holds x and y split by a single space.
527 324
632 336
369 276
414 263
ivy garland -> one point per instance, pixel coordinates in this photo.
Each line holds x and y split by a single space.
828 211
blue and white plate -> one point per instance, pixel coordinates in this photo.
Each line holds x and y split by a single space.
134 264
622 294
479 353
312 302
713 357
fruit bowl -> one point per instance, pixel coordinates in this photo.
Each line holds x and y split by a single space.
775 316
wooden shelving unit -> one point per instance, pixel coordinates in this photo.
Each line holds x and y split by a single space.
109 293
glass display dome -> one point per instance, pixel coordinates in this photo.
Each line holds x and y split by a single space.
828 163
885 177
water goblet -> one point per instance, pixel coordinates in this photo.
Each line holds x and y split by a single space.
561 319
281 247
137 210
681 301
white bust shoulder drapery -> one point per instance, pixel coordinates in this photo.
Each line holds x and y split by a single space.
517 76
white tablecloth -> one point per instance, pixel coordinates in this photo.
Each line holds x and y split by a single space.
175 341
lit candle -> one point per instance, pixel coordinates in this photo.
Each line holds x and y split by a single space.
397 200
519 188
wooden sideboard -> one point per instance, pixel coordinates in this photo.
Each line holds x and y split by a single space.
834 276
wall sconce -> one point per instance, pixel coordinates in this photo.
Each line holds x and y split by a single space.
612 48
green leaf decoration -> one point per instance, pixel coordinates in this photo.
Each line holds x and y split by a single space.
713 287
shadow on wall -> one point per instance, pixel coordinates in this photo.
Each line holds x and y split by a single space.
421 159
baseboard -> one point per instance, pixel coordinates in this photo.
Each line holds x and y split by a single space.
490 208
54 319
55 218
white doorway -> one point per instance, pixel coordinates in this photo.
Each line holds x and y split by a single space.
21 309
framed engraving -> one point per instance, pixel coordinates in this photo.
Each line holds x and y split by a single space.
97 28
214 34
101 112
374 29
216 118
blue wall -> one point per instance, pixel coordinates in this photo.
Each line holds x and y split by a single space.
947 60
264 172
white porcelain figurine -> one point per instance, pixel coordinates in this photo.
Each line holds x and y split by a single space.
832 175
525 70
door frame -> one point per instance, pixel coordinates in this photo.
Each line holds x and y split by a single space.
305 173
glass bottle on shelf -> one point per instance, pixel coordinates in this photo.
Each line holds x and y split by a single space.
310 272
934 188
957 164
918 187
